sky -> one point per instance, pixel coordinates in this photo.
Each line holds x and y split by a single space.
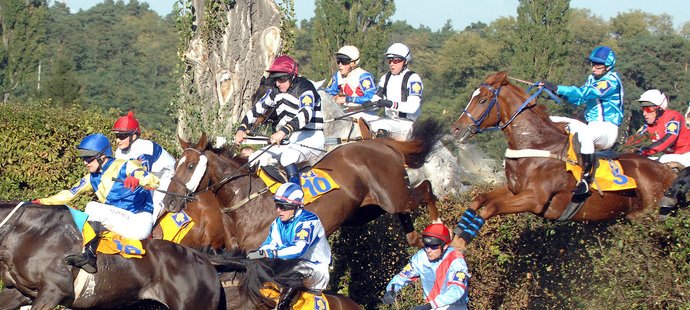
435 13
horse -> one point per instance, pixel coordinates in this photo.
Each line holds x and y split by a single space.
243 279
371 175
34 240
541 185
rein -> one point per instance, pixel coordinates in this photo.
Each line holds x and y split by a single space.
475 127
7 218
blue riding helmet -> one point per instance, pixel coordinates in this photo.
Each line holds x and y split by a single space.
603 55
289 194
95 144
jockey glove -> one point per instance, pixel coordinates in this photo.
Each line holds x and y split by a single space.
384 103
422 307
389 297
36 201
131 183
367 105
548 85
256 254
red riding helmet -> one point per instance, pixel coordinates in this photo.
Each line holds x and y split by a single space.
127 124
436 234
283 66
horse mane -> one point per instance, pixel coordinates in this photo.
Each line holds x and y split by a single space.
425 134
256 273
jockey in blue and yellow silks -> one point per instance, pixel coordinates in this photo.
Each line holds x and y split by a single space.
124 204
602 94
297 234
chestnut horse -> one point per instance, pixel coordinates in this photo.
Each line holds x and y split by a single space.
541 185
35 239
371 175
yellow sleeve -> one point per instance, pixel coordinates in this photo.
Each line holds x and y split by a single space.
147 180
65 196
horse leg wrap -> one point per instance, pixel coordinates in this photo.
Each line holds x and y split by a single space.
465 221
472 230
406 222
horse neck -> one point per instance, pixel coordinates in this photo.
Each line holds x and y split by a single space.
531 128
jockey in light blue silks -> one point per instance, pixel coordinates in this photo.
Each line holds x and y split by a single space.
297 234
352 85
602 94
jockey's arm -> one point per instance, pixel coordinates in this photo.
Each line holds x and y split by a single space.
332 87
303 116
579 95
146 180
65 196
368 87
260 108
408 274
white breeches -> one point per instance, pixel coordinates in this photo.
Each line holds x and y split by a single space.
317 276
120 221
683 159
158 198
599 135
399 128
304 146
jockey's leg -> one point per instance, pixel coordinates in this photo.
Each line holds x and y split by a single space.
87 259
120 221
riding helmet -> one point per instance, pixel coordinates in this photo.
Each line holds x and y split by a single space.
127 124
436 234
93 145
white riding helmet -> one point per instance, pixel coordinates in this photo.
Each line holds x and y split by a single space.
350 52
399 50
653 98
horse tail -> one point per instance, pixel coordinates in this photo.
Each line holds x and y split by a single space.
425 134
254 273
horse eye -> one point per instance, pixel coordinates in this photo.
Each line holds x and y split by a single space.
482 101
190 166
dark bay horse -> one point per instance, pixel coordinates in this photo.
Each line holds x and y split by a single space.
541 185
243 279
35 240
371 175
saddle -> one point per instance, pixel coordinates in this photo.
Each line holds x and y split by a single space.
279 175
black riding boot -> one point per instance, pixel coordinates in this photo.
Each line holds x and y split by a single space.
87 260
293 174
288 296
582 187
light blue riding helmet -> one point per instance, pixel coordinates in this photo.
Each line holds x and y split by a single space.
95 144
603 55
289 194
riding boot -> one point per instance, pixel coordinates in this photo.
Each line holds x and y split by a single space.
382 133
288 296
293 174
582 187
87 260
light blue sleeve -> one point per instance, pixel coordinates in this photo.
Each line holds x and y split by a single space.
404 277
589 91
368 86
332 87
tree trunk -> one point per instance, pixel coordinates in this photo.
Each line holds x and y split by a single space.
224 66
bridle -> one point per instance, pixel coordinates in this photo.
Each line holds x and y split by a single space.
475 127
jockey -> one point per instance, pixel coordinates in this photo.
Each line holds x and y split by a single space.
352 85
295 107
400 93
665 128
297 234
123 207
441 269
602 94
151 155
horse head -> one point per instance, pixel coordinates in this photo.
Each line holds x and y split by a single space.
190 175
492 106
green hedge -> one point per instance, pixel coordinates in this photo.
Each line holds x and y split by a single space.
38 146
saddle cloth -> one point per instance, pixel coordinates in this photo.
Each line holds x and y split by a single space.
305 301
315 183
111 243
175 226
609 174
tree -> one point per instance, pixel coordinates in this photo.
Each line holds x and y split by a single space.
346 22
542 40
62 83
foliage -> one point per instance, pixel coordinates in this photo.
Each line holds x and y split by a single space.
288 31
38 142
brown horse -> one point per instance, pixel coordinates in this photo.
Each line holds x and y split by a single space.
541 185
371 175
243 280
35 239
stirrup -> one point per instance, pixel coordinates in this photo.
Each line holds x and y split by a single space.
82 261
578 188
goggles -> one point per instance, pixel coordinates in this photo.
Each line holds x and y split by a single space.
282 79
395 60
122 135
597 65
343 61
649 109
286 206
88 159
433 246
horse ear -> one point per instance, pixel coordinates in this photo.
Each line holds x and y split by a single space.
202 142
184 144
502 78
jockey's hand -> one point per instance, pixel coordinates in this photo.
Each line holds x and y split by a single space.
256 254
389 297
131 183
36 201
384 103
422 307
339 99
548 85
240 136
367 105
277 137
